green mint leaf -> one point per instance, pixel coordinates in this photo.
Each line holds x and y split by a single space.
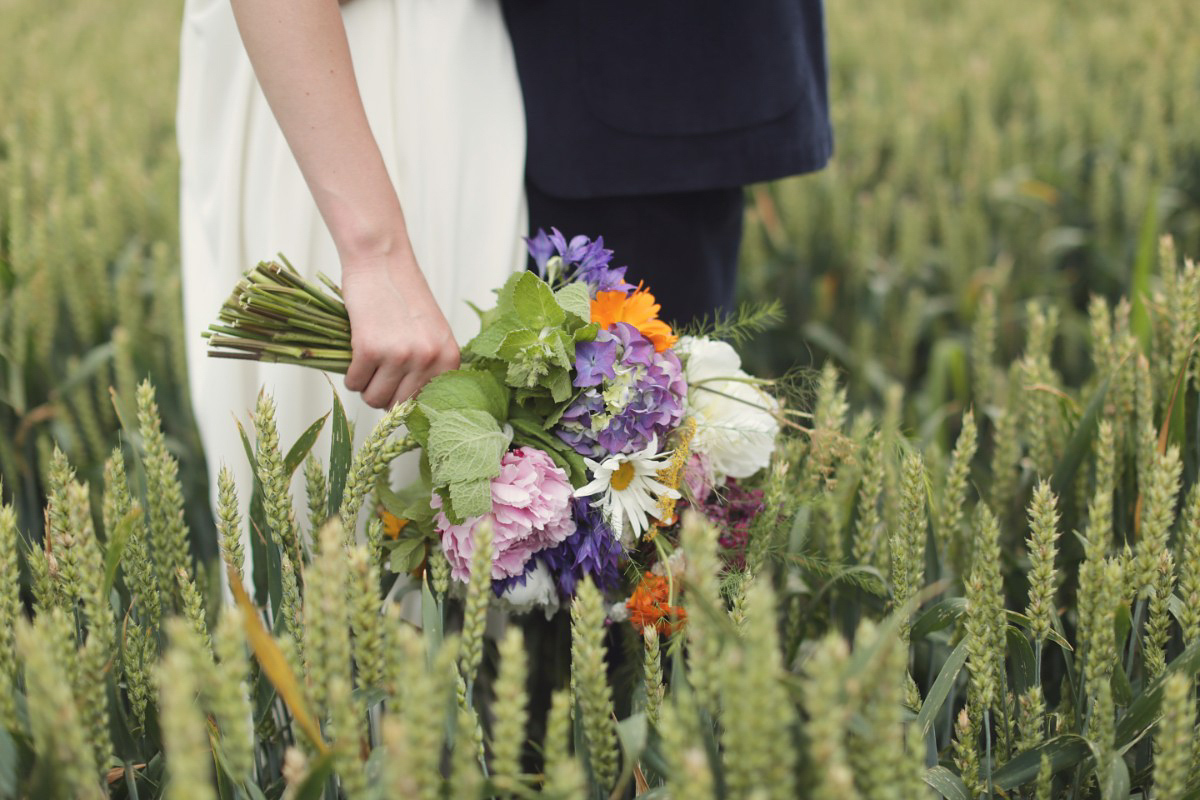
504 297
517 344
470 499
587 333
464 446
535 304
491 336
407 555
576 299
462 389
560 385
562 349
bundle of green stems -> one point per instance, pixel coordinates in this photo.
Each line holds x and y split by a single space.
276 314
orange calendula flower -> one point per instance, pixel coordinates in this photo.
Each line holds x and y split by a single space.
392 525
648 607
639 309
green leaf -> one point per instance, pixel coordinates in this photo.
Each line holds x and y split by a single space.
1143 711
410 503
1019 620
941 688
1112 776
431 621
562 349
487 342
368 697
517 342
340 453
1063 751
575 298
225 780
8 765
131 781
376 765
464 446
418 425
587 333
469 499
462 389
1122 689
560 386
1176 607
300 450
535 304
633 732
1024 670
117 539
504 297
407 555
939 616
1080 446
947 784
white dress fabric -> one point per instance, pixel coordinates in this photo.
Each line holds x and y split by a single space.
440 88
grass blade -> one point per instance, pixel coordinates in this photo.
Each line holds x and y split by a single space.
941 688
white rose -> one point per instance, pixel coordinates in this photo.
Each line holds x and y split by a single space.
736 426
538 591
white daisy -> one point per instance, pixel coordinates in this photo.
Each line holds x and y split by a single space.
629 488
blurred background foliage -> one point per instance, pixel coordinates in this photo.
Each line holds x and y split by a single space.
1034 149
1028 147
89 279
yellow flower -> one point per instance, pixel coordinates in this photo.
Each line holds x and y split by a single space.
671 475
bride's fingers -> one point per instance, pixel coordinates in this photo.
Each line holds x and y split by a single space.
382 388
361 370
411 384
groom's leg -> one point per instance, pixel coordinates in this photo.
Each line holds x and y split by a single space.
683 246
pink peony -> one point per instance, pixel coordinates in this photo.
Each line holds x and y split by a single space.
531 510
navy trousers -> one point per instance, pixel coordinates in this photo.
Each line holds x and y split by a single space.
683 246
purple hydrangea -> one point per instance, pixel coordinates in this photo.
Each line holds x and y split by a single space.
630 394
595 361
583 259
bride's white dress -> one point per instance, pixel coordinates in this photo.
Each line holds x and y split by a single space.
441 93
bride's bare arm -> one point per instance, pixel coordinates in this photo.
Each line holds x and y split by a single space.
302 59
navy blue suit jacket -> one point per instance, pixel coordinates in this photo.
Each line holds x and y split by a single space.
649 96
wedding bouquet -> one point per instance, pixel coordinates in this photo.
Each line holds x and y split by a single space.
578 425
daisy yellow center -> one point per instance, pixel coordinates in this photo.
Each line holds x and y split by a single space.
622 477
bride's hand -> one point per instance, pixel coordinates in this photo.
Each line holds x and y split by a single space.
400 339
